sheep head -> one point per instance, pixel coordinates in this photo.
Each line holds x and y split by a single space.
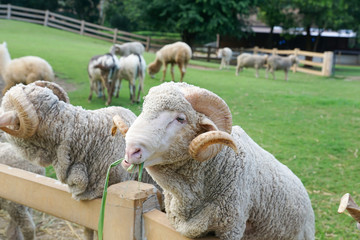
19 117
178 122
347 203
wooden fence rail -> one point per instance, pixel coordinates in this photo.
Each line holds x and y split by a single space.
51 19
130 211
323 67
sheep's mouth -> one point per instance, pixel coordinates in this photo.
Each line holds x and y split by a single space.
125 164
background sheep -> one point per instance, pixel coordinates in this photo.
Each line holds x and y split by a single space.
102 70
126 49
225 54
23 70
21 224
250 60
131 68
239 193
276 62
176 53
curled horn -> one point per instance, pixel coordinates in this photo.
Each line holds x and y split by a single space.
24 116
57 90
118 123
347 203
208 144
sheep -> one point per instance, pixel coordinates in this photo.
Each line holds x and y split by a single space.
21 224
126 49
176 53
102 71
225 54
276 62
347 203
47 130
131 68
239 191
23 70
250 60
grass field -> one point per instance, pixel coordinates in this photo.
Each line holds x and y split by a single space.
310 123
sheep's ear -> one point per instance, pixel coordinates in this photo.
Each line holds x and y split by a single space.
119 123
207 125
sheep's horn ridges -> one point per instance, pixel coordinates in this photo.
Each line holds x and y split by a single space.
211 105
204 146
57 90
118 123
26 114
347 203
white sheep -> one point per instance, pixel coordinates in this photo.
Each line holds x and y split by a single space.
176 53
239 191
225 54
102 71
21 224
126 49
250 61
23 70
276 62
47 130
131 68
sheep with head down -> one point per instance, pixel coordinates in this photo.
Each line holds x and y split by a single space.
215 177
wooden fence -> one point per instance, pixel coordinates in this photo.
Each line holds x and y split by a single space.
130 213
50 19
322 67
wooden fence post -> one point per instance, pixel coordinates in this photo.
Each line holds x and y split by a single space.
296 53
115 35
148 40
256 49
8 16
274 51
208 53
82 27
327 63
46 18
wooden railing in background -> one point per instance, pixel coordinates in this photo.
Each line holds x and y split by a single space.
130 211
50 19
325 63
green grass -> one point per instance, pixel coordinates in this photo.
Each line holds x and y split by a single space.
310 123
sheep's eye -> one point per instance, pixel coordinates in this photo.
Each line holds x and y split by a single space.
180 119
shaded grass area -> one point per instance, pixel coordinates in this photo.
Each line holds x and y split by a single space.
310 123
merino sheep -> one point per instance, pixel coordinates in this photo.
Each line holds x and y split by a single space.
250 60
126 49
276 62
176 53
131 68
21 224
239 191
225 54
102 70
23 70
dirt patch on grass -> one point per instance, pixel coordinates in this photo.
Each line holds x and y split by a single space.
47 227
201 67
352 78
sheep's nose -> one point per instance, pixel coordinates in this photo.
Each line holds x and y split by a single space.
134 154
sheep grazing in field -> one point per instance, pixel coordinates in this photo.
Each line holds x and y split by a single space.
131 68
248 60
23 70
238 191
276 62
225 54
21 224
102 70
347 203
126 49
176 53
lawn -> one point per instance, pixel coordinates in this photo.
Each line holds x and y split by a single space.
310 123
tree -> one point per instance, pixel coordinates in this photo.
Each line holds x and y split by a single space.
192 19
83 9
37 4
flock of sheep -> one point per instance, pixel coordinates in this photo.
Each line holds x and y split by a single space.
214 177
247 60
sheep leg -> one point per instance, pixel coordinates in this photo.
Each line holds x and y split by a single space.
273 73
238 68
164 72
131 89
138 95
172 72
257 71
21 219
286 74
